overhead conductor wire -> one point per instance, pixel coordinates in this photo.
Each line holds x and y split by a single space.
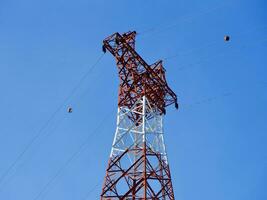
40 132
154 30
69 96
46 187
71 158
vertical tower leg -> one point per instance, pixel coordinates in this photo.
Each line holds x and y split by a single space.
138 166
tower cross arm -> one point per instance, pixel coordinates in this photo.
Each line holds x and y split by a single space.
146 79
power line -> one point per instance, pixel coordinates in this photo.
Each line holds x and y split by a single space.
157 28
60 107
71 158
92 189
185 18
192 50
19 166
199 102
210 99
53 116
205 46
40 132
82 146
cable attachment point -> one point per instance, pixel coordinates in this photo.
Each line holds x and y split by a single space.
176 105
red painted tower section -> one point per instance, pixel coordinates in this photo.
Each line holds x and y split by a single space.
138 167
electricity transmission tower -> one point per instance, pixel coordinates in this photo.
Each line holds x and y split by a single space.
138 166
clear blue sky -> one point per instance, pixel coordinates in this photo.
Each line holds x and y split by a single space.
216 142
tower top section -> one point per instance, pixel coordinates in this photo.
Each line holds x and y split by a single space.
137 78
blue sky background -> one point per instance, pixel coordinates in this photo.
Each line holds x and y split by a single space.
216 142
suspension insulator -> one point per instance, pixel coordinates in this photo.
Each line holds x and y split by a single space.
176 105
104 49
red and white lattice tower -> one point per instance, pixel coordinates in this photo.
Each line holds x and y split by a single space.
138 166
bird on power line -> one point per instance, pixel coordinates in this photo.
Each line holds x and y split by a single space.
226 38
69 109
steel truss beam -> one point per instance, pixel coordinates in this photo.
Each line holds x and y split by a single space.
138 167
137 78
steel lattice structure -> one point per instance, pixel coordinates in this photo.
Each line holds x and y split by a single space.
138 167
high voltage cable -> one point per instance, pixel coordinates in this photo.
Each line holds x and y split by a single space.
184 18
54 114
191 50
189 106
60 107
82 146
92 189
157 30
19 166
71 158
46 135
197 62
199 48
219 96
206 100
208 58
211 43
39 133
215 42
